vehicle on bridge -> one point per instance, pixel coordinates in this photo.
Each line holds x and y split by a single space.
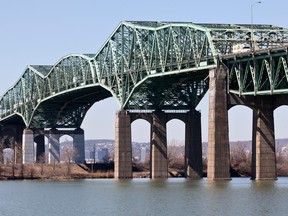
241 48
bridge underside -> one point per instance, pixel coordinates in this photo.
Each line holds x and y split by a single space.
181 91
67 110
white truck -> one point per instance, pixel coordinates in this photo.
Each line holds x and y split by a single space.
237 48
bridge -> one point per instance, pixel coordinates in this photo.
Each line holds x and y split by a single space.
157 71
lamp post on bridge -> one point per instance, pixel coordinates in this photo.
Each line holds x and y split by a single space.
252 23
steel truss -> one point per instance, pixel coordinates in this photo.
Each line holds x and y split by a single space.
263 72
144 65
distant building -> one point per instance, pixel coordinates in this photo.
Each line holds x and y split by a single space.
92 156
143 154
102 153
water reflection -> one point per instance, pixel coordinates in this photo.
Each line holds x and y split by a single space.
173 196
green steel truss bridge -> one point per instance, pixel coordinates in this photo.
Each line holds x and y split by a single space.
149 66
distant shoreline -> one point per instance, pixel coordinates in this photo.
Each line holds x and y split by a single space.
74 171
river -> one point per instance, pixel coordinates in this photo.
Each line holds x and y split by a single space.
174 196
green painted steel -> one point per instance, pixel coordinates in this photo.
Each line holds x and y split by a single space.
263 72
143 65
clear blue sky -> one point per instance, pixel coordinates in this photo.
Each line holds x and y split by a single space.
41 32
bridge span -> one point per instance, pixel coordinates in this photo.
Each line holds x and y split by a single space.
157 71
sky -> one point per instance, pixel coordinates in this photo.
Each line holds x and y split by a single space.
34 32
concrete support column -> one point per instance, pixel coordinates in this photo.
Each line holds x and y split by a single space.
159 165
47 152
263 146
28 146
79 145
254 129
123 148
54 147
40 148
218 166
193 146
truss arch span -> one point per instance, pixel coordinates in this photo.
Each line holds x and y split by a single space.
144 65
71 80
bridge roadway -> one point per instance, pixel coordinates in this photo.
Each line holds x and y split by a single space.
157 71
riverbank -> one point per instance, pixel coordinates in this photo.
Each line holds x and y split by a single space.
68 171
80 171
50 171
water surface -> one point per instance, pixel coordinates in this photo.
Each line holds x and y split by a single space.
174 196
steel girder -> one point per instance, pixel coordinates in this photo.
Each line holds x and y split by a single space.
53 96
144 65
262 72
138 53
22 98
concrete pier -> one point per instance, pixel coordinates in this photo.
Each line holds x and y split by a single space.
123 148
28 146
79 145
54 147
218 166
158 149
263 141
159 164
12 133
193 145
40 147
